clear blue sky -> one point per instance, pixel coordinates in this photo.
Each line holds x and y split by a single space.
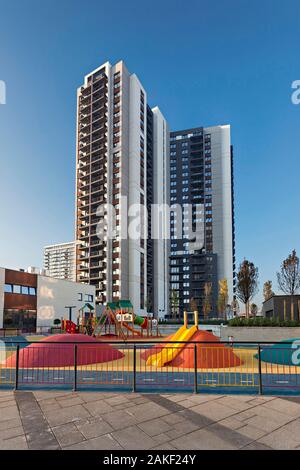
203 63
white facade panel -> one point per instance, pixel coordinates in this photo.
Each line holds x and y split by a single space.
53 295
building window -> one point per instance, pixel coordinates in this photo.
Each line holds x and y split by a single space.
8 288
89 298
80 297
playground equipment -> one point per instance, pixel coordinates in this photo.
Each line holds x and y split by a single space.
58 351
118 318
286 352
171 350
210 353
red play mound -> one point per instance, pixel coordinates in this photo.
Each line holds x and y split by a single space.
209 356
46 354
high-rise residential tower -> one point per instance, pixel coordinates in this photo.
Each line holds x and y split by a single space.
120 143
201 173
60 260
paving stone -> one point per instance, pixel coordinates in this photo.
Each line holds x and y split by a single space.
120 419
287 407
148 410
262 423
11 423
185 427
234 438
201 440
231 423
173 418
66 415
98 408
133 438
16 443
251 432
11 432
65 402
117 400
10 412
161 438
237 405
280 439
106 442
94 429
214 411
42 440
154 427
67 434
4 404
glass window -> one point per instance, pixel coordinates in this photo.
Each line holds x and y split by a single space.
79 297
25 290
8 288
17 289
32 291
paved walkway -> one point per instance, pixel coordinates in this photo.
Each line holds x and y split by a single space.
112 421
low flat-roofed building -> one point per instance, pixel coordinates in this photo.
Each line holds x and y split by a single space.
280 307
31 300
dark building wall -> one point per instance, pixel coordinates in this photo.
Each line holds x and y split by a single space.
189 181
274 307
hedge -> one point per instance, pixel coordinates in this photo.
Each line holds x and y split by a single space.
262 321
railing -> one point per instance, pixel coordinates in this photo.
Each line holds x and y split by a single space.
148 366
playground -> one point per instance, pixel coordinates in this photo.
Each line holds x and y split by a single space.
121 350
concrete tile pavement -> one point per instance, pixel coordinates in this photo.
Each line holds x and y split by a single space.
114 421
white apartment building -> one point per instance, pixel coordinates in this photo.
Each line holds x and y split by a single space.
122 160
60 260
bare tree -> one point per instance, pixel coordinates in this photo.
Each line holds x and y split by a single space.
268 292
247 282
289 276
193 305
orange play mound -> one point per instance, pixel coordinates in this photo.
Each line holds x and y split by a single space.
209 356
46 354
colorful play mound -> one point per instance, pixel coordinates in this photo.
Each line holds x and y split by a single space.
53 352
209 356
284 353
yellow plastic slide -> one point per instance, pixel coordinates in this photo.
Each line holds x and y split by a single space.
171 350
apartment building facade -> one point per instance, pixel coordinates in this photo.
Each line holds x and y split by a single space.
60 260
120 141
201 175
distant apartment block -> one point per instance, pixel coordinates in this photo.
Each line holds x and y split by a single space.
201 172
60 260
122 151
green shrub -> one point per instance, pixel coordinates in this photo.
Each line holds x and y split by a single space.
262 321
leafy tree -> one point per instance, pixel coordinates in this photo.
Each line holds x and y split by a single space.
247 282
174 303
223 297
253 310
268 292
56 322
207 299
289 276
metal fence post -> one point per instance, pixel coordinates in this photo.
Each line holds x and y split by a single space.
17 367
134 369
75 368
195 370
260 386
